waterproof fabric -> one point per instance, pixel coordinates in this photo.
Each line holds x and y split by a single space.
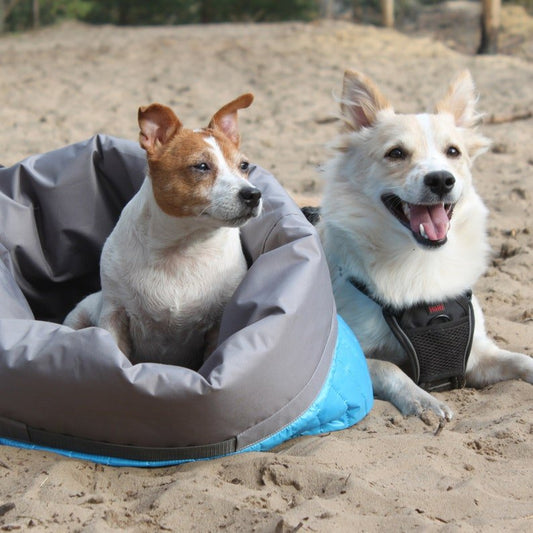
283 367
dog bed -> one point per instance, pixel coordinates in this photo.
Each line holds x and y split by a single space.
285 365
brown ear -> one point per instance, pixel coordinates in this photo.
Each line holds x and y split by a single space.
158 124
225 119
361 101
460 101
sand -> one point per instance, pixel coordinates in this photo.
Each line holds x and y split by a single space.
389 473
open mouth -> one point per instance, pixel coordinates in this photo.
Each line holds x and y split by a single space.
429 224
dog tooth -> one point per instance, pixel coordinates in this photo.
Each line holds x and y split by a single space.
423 231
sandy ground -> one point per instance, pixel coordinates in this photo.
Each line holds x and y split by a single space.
388 473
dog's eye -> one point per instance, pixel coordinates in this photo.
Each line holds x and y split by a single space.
202 167
245 166
396 153
453 151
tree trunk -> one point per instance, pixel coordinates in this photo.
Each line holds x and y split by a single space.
326 8
490 25
387 13
36 14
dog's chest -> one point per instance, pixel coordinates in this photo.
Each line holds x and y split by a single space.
176 301
171 339
365 318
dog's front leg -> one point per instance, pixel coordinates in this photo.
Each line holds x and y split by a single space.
490 364
390 383
116 321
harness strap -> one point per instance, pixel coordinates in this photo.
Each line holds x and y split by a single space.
436 336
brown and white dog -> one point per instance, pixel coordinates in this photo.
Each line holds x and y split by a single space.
402 225
174 258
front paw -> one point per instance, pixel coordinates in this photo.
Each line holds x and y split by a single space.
393 385
420 403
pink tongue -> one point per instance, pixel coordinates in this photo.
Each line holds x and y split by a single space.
432 217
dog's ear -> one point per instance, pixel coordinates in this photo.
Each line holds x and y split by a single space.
460 101
361 101
225 119
158 124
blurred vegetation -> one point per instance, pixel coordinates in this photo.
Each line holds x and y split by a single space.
18 15
135 12
369 11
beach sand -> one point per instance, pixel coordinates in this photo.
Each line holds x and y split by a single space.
388 473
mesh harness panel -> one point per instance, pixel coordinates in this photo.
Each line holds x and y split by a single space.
436 336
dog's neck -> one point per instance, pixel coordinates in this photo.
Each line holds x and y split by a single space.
166 232
392 272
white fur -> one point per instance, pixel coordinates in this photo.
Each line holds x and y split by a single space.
224 204
172 299
362 239
166 279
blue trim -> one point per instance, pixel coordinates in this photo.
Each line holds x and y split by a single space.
109 461
345 399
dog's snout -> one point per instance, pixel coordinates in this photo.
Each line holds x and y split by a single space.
440 182
250 196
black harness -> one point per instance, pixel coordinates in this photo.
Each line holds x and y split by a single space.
437 338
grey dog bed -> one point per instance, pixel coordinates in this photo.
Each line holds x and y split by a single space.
283 367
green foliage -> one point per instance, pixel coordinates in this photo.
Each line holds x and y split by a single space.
257 10
143 12
50 11
186 11
148 12
139 12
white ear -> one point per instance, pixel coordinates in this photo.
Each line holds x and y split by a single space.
158 124
361 101
460 101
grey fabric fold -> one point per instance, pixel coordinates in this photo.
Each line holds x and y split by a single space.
276 341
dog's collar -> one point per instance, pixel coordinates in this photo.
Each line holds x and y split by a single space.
437 337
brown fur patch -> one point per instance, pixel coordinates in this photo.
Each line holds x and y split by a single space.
225 119
233 157
180 187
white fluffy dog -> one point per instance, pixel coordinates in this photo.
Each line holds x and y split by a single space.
404 234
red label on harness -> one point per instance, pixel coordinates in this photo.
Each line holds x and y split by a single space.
436 308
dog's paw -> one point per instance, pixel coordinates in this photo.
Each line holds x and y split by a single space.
393 385
423 405
432 419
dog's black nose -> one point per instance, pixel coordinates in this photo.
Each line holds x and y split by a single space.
439 182
250 196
